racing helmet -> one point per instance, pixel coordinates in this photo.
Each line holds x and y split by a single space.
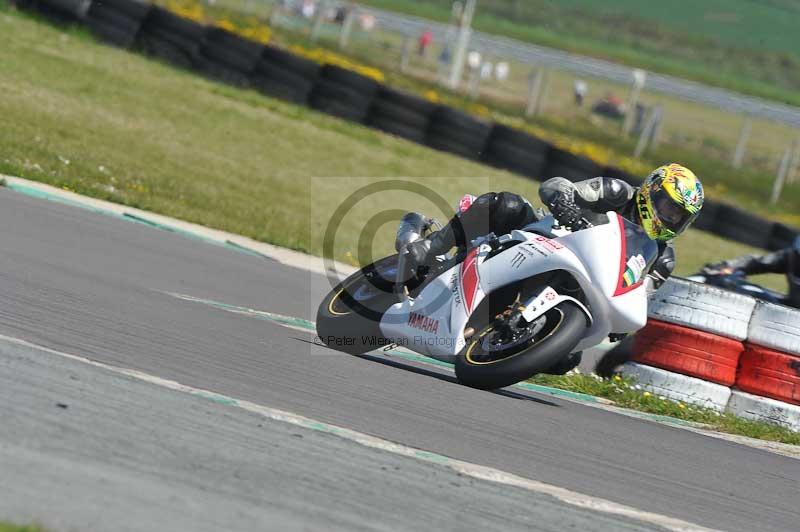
668 201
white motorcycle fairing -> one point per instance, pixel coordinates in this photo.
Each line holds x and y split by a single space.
610 276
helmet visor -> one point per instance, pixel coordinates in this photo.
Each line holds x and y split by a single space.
673 216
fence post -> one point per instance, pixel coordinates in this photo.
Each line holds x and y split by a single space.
791 177
744 135
639 78
405 53
780 177
319 18
347 28
462 41
535 82
648 131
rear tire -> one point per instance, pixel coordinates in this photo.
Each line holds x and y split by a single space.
350 323
538 356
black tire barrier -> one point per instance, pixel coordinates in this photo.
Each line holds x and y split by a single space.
523 141
510 157
396 128
293 63
411 102
352 80
782 237
130 8
708 216
116 22
167 50
337 108
344 94
170 38
230 50
343 101
281 75
286 86
443 143
740 225
58 11
284 75
391 111
517 151
616 173
561 163
171 27
457 132
400 114
220 72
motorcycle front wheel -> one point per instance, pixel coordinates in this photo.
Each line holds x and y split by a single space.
502 354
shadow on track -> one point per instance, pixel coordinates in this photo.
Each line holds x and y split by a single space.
437 375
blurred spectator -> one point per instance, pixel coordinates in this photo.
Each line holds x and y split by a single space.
611 106
367 22
580 89
501 71
425 41
341 14
444 62
308 8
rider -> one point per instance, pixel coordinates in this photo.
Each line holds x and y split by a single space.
786 261
668 201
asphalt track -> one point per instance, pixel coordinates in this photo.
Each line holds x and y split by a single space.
89 284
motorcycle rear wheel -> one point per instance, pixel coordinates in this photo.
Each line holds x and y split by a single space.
489 364
348 318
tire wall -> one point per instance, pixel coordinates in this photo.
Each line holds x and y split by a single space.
725 338
276 72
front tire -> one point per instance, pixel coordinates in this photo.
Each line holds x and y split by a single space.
488 365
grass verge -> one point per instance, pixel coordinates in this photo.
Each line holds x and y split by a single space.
121 127
681 39
625 393
8 527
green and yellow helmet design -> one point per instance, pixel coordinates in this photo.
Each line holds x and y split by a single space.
669 201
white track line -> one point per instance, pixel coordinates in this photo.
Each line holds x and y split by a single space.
472 470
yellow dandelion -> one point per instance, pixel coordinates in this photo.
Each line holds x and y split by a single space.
647 394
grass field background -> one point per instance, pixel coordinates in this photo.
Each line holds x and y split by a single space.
118 126
749 46
702 137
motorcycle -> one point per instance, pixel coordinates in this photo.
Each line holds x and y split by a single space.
503 309
736 281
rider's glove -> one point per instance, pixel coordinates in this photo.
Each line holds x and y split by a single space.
418 255
717 268
568 214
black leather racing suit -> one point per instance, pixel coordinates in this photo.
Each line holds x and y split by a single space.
786 261
573 204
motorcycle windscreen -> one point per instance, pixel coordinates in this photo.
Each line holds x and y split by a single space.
638 253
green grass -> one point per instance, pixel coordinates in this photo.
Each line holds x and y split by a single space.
701 137
744 45
8 527
118 126
627 394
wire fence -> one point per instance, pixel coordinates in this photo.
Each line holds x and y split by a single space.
541 81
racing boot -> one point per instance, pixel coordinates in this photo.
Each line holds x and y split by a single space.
423 252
